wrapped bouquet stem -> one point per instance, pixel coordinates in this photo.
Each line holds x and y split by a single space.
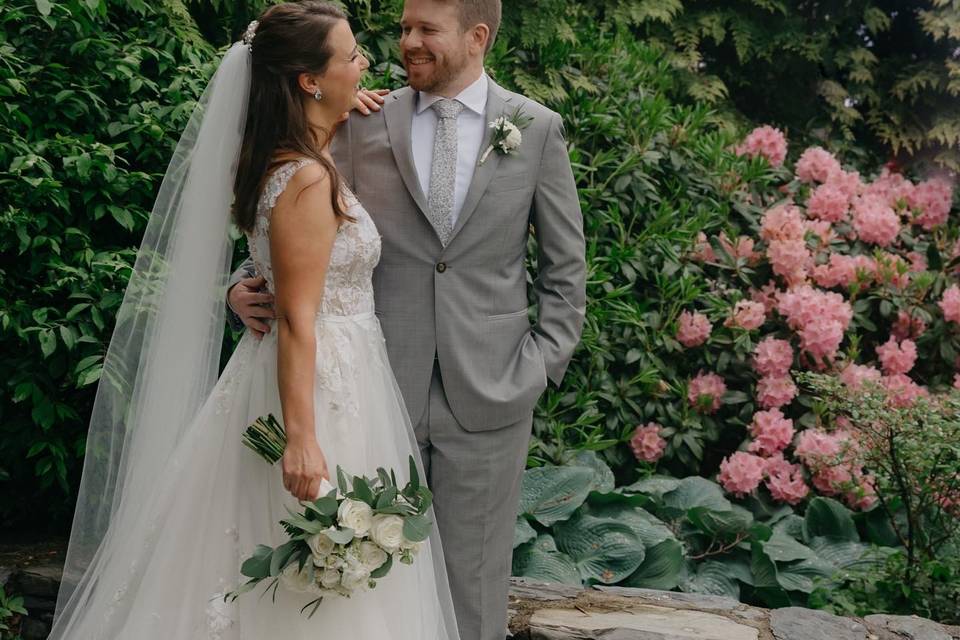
345 540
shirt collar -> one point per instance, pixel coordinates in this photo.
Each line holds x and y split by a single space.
473 97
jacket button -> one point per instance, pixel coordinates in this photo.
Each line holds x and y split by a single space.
441 267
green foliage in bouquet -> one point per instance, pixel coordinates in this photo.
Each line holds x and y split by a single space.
342 541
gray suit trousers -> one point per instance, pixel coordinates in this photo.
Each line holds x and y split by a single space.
475 515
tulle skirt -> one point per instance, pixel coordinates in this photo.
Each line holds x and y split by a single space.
163 567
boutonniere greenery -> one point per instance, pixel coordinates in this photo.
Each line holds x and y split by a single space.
506 136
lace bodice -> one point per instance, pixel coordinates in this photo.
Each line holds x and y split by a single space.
348 289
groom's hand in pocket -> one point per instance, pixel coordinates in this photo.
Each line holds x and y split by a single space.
252 303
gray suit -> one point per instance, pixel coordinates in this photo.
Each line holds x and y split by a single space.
468 362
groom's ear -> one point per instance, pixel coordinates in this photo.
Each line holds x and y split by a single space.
478 36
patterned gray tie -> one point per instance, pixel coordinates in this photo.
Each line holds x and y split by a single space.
443 168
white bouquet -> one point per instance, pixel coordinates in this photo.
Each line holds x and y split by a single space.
344 541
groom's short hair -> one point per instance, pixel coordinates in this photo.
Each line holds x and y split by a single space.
474 12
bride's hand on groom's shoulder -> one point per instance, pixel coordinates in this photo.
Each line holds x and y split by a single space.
368 100
304 467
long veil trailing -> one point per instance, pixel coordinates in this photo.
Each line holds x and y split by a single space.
160 369
163 358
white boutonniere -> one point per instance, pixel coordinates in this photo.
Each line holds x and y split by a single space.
506 136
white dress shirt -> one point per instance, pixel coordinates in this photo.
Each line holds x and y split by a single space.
470 131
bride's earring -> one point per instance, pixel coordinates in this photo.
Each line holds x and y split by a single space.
318 95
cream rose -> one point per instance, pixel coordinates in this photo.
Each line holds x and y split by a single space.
321 546
513 139
297 580
387 531
355 576
329 578
356 515
371 555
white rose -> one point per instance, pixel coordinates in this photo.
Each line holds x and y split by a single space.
387 531
321 546
355 576
371 555
333 562
356 515
512 141
499 122
329 578
296 580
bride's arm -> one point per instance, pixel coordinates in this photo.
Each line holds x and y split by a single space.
303 228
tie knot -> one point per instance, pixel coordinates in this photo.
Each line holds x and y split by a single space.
447 108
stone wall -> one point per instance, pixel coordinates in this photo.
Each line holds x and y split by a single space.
543 611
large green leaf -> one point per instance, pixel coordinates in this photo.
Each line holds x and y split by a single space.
801 576
661 568
648 528
541 560
843 554
603 480
827 517
791 526
552 494
721 524
654 487
782 548
712 578
604 549
766 583
695 492
523 532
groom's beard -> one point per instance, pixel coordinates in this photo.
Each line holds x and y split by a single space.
444 71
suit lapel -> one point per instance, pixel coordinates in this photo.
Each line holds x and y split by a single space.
399 118
497 103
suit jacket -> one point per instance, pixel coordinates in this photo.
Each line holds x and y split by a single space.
466 304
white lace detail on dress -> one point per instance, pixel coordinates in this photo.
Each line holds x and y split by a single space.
356 250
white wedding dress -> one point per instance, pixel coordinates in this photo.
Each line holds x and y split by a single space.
216 500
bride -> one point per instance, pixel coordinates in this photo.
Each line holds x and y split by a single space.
170 500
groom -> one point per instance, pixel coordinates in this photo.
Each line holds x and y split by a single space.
451 286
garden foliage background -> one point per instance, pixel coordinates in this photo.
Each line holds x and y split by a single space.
655 95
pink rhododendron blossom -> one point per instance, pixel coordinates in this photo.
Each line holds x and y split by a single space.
839 271
875 221
783 222
767 142
847 182
702 250
817 448
776 464
897 358
893 188
820 229
832 480
741 473
790 259
821 338
772 357
693 329
788 486
706 391
902 391
647 444
863 495
742 249
766 295
803 305
771 432
775 391
932 198
918 261
906 327
950 304
816 165
854 375
828 202
747 315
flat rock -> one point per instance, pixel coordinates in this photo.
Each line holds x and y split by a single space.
641 622
704 602
546 591
797 623
42 581
908 627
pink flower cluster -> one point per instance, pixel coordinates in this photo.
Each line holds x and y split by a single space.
907 326
706 391
773 357
816 165
820 318
741 473
950 304
854 375
767 142
897 358
776 391
875 221
647 443
833 461
784 480
747 315
932 199
842 271
829 202
771 432
693 329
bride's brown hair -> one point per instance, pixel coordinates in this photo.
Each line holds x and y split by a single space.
290 39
